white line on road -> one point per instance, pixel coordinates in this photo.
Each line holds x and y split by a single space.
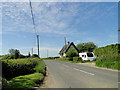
84 71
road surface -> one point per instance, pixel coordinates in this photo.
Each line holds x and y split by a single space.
71 75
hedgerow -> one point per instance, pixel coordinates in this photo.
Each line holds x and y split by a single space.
107 50
13 69
108 56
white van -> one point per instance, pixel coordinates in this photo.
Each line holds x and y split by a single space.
87 56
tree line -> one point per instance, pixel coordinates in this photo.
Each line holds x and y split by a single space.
15 54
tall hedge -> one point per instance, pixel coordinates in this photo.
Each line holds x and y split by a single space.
109 49
108 56
15 67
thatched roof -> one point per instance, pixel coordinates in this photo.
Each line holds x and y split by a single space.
66 47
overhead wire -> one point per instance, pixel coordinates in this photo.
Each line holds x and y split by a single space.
33 19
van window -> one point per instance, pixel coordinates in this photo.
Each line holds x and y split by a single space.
89 54
82 55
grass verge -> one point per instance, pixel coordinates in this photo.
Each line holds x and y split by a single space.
40 67
26 81
64 59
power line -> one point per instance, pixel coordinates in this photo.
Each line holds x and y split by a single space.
33 18
34 27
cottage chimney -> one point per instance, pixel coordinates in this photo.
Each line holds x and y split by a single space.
68 42
65 40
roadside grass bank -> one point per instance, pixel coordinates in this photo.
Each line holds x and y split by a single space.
50 58
109 61
23 73
108 56
26 81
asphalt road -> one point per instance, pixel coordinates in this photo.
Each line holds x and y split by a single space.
71 75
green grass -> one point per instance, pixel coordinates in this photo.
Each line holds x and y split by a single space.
49 58
64 59
41 68
109 61
26 81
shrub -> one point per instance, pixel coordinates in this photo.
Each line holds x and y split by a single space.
34 55
71 54
15 67
69 58
41 68
109 61
21 56
4 83
6 57
109 49
77 59
108 56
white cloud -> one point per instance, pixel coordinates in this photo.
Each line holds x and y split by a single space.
50 17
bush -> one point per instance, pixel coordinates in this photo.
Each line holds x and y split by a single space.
69 58
26 81
22 56
4 83
15 67
71 54
77 59
6 57
34 55
108 56
49 58
109 61
107 50
41 68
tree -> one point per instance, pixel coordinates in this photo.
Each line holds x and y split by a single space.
35 55
86 47
14 53
71 54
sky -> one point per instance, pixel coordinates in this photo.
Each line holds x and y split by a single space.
79 22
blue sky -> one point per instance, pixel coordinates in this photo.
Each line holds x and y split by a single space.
79 22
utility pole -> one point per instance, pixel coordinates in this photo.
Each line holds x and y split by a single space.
38 44
32 51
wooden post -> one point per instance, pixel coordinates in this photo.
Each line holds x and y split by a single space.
32 52
38 44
